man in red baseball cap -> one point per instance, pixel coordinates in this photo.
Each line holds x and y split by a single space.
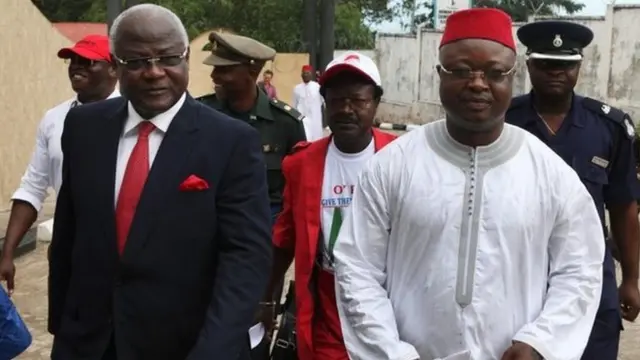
93 78
469 239
91 70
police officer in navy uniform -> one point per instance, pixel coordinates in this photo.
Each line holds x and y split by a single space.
237 62
596 139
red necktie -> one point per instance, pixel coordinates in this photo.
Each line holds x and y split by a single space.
132 184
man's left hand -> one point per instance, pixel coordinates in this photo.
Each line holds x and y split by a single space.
521 351
629 299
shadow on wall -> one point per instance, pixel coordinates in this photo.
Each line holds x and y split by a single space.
286 70
32 80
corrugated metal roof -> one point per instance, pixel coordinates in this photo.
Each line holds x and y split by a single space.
75 31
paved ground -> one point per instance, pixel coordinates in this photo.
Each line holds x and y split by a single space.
30 298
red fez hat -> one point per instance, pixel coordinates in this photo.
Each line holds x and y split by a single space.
479 23
306 68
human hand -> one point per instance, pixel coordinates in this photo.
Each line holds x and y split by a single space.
267 316
8 272
521 351
629 299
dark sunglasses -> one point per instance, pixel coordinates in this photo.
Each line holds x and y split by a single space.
84 62
162 61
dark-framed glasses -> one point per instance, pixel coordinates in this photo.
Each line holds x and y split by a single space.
162 61
491 75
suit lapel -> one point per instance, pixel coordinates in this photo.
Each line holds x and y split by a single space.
165 174
108 139
312 181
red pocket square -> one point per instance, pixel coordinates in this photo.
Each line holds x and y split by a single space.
194 183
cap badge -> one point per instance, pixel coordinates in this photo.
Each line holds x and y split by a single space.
557 42
606 109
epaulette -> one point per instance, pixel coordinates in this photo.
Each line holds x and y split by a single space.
287 109
518 101
614 114
301 145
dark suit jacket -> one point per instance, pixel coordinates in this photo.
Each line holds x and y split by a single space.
195 263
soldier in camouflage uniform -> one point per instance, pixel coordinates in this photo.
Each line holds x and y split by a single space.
237 62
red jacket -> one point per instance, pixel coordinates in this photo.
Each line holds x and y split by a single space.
298 226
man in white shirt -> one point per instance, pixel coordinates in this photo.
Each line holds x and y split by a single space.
162 236
93 78
470 239
308 101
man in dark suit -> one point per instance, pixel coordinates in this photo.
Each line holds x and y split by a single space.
162 242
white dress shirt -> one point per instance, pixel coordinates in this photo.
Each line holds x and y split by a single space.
129 138
45 167
453 252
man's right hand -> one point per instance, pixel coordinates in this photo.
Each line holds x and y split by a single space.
8 272
267 316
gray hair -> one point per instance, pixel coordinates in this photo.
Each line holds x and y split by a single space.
148 11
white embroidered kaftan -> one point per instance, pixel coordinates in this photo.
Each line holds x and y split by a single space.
452 252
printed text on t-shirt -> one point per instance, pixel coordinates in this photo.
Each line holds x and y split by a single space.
341 196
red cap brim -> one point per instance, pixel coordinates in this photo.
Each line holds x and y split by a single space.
67 53
338 68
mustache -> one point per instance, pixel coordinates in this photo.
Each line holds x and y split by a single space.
345 118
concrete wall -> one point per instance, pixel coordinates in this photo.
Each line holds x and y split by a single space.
32 80
610 70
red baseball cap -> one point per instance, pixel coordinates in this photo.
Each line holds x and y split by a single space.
92 47
479 23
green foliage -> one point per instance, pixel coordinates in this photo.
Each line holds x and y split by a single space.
277 23
520 10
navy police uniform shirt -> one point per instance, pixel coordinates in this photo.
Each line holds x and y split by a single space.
596 140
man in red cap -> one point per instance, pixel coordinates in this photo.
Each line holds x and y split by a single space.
308 101
470 239
93 78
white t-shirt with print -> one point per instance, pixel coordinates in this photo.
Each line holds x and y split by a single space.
341 172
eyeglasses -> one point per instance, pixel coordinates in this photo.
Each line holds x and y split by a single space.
492 75
162 61
84 62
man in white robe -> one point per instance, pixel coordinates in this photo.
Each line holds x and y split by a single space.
470 239
308 101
